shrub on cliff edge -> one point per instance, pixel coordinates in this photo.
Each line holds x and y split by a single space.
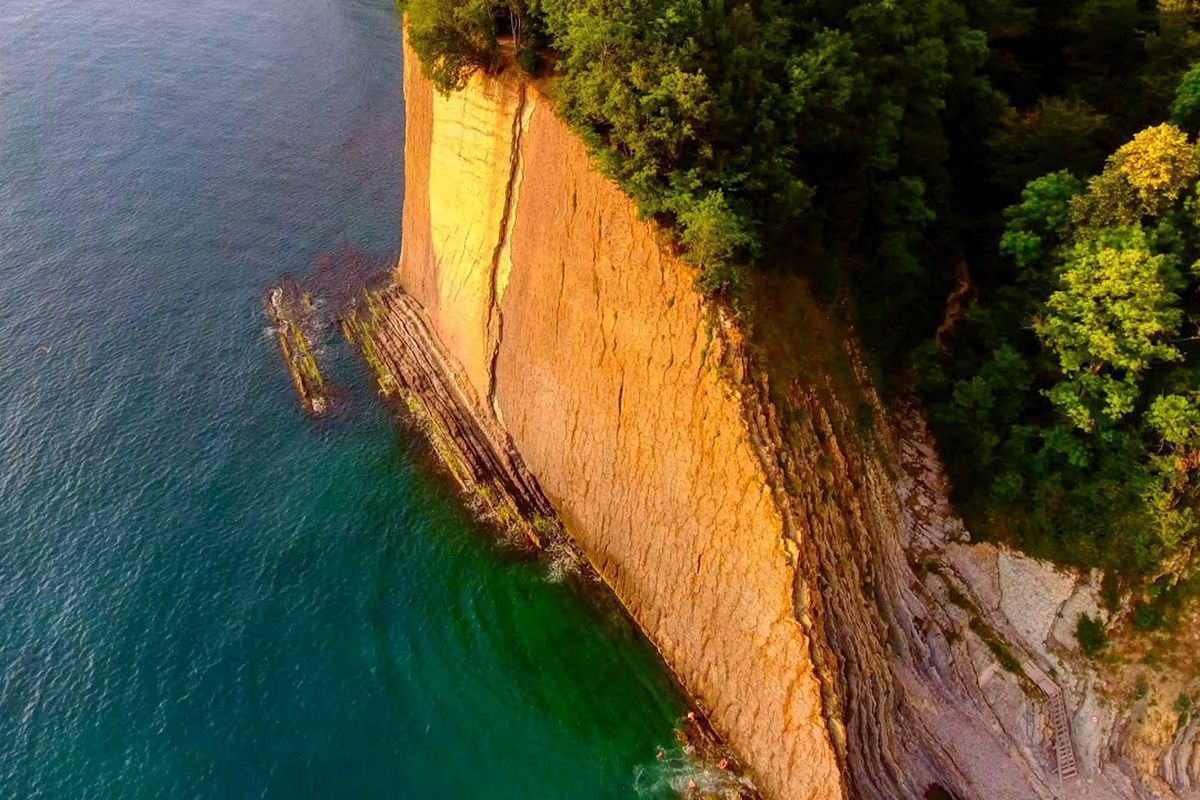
455 38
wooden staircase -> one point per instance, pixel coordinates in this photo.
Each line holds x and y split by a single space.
1064 752
1060 722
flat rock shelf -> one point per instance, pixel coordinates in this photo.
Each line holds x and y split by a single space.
291 312
390 330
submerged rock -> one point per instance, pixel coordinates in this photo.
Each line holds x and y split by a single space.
292 315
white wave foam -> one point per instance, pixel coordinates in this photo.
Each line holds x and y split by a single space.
677 772
562 561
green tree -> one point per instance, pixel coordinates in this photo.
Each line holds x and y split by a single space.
1108 322
1185 111
716 239
455 38
1040 221
452 38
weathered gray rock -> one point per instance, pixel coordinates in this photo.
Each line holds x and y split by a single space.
1031 594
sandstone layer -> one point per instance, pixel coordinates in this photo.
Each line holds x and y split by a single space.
583 339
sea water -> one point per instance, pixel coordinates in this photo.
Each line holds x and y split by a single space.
203 593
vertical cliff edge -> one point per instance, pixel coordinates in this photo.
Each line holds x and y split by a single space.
755 526
584 342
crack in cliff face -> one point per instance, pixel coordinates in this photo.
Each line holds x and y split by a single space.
495 316
651 471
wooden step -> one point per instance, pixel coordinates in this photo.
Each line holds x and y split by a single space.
1064 751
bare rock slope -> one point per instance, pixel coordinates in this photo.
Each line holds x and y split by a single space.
583 338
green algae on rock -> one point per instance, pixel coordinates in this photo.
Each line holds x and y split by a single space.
388 329
292 314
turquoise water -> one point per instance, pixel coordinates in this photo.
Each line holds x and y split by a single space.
202 592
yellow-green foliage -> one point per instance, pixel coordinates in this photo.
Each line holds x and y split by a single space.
1083 439
1109 320
1160 164
1144 177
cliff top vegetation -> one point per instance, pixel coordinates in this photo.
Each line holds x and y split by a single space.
1035 160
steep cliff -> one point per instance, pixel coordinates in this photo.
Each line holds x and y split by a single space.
584 340
751 518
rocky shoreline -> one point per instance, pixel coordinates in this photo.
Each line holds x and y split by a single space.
388 329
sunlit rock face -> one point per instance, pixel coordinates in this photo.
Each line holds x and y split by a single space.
584 338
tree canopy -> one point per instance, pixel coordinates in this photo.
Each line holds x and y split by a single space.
1080 431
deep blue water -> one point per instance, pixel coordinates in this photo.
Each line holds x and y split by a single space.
202 592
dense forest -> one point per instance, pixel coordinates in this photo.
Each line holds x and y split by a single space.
1033 161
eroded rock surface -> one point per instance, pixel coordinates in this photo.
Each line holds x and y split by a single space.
1032 592
582 336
